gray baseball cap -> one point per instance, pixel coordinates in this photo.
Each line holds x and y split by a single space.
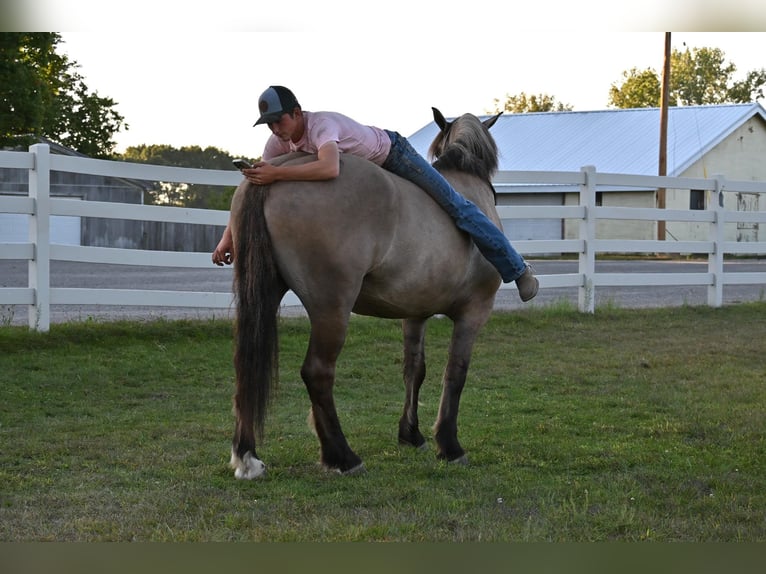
274 102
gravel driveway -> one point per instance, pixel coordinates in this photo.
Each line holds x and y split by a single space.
13 273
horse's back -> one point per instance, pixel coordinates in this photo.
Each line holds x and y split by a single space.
376 240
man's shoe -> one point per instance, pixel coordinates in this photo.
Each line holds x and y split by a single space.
527 284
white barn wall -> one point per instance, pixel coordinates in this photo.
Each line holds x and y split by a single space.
610 229
741 156
626 229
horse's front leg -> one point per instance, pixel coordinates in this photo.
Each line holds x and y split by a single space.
318 374
414 372
445 430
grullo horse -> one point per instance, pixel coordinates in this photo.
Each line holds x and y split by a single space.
371 243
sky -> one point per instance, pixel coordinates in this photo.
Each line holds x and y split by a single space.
182 80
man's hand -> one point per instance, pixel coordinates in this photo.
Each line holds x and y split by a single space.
261 173
326 166
223 252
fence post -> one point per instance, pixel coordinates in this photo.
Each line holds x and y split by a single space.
39 236
717 236
586 299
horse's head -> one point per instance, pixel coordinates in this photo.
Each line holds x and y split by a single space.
445 126
465 144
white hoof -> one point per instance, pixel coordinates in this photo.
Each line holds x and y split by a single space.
248 467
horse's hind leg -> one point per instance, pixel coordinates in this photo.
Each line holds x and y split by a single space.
414 372
244 459
318 372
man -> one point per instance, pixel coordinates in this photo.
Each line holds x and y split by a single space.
328 134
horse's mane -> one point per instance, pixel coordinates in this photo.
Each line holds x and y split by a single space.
465 145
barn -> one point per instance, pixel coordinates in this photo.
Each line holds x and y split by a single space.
702 141
100 232
70 230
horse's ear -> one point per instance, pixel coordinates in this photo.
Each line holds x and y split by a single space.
439 119
491 121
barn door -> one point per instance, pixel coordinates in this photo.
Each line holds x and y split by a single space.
747 230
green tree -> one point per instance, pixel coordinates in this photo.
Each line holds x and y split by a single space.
182 194
640 89
41 94
698 76
523 103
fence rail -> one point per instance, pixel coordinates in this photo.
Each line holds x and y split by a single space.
39 251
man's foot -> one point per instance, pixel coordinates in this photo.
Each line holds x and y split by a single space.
527 284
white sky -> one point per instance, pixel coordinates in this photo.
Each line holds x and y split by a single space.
183 83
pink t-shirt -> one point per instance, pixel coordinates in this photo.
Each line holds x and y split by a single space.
322 127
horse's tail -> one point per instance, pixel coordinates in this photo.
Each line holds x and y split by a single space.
258 295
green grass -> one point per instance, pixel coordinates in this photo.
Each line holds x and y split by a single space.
624 425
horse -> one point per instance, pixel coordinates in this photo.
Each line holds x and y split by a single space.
371 243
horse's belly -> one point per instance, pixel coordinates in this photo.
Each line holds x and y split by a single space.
406 300
388 310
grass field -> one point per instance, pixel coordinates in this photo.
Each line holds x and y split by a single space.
624 425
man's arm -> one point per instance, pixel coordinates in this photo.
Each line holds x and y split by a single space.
223 251
326 166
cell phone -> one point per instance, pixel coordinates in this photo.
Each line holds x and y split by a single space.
241 163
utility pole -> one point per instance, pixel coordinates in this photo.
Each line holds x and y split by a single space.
663 160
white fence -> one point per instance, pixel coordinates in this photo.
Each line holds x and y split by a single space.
39 252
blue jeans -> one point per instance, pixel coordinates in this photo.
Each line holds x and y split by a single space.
404 161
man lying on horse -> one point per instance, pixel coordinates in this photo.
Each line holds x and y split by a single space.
328 134
348 235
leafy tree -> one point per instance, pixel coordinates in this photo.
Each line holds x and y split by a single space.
523 103
41 94
182 194
698 76
640 89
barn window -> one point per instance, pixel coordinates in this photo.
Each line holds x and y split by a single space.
697 199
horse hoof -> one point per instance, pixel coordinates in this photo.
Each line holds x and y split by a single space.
247 467
418 443
461 460
358 469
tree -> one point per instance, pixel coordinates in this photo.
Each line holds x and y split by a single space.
41 94
182 194
522 103
640 89
698 76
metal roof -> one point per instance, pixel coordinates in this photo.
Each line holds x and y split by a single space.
614 141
